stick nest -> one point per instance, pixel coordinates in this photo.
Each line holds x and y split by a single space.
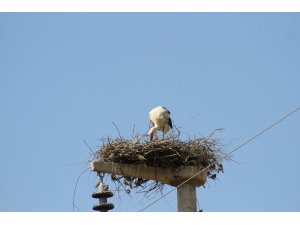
170 152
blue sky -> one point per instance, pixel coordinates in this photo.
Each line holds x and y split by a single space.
64 77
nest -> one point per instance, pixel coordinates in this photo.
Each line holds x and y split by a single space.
170 152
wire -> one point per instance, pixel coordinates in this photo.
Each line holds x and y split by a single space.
74 192
226 155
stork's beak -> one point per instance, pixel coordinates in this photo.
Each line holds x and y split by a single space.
151 137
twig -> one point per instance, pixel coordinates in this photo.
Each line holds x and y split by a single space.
213 132
120 136
89 148
133 130
177 131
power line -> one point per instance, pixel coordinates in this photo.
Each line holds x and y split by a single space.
226 155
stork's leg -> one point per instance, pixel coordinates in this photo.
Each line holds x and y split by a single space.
165 130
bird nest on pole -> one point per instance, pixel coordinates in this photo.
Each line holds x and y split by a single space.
168 153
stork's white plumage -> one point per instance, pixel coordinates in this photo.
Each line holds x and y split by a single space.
160 120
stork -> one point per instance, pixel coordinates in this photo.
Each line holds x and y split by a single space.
160 120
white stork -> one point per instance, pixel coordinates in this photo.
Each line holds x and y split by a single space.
160 120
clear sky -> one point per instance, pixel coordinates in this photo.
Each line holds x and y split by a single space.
65 77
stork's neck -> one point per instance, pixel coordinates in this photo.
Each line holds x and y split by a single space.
153 130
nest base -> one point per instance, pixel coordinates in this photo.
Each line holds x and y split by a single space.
170 176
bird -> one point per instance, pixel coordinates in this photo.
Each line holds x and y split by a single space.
160 121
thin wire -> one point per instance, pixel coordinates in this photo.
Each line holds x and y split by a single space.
74 192
226 155
190 119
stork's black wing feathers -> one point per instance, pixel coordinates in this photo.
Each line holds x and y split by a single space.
167 110
170 123
152 123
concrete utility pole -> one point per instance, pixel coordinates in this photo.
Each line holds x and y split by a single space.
186 198
186 193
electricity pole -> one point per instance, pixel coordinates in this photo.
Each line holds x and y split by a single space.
186 193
